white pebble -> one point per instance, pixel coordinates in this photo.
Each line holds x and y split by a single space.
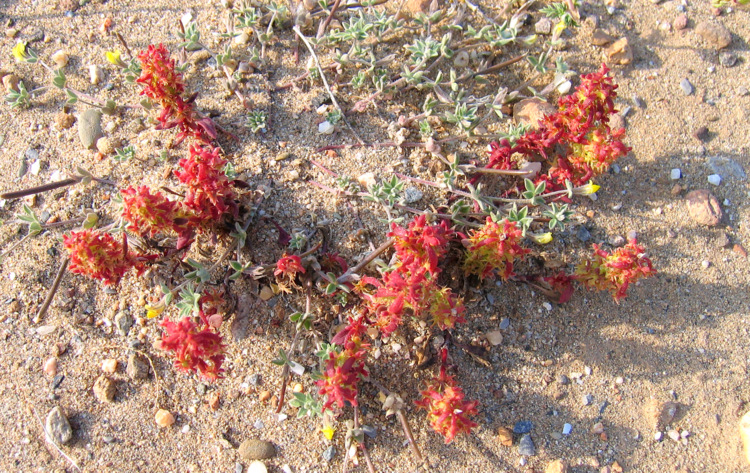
257 467
567 428
325 128
658 436
96 74
547 306
675 174
714 179
674 435
587 370
705 264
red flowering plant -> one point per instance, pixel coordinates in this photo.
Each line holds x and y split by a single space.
576 142
209 191
447 409
615 271
194 348
164 84
492 249
99 255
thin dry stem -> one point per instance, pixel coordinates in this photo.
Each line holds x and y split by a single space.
52 291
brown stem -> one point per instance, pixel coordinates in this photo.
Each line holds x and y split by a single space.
52 291
285 371
331 14
365 453
63 222
39 189
367 260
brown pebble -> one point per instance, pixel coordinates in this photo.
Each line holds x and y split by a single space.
557 466
298 388
740 250
104 389
676 189
50 367
680 23
331 153
616 468
11 82
264 396
109 365
505 436
701 133
214 400
164 418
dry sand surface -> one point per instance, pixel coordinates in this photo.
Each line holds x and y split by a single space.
677 347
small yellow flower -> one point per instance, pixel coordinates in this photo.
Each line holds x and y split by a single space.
589 188
19 51
328 429
156 310
113 57
542 238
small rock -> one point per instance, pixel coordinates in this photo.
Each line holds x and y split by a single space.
530 111
104 389
583 234
137 367
674 435
616 240
164 418
264 396
109 366
523 427
242 39
412 195
64 120
60 58
10 82
266 293
701 133
105 145
257 467
714 179
598 428
687 87
745 434
329 453
715 34
57 427
214 400
567 429
367 180
325 127
557 466
370 431
526 446
562 379
543 26
504 323
666 414
675 174
703 208
505 436
256 449
587 399
96 74
658 436
726 167
680 23
461 59
494 337
50 367
90 127
727 59
620 52
600 38
123 321
413 7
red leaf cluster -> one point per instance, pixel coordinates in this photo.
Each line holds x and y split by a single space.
614 272
164 84
493 249
209 192
343 370
99 256
576 141
288 266
447 409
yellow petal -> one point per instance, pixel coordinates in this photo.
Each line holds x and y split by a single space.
113 57
328 432
589 188
542 238
19 51
154 311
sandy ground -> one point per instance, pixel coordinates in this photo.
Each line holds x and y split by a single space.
679 337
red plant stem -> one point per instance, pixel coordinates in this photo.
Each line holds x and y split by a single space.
367 260
52 291
39 189
363 446
331 14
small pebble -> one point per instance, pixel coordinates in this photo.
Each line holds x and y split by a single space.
90 127
567 429
504 323
658 436
523 427
164 418
674 435
60 58
50 367
104 389
714 179
257 467
256 449
109 365
494 337
57 427
96 74
675 174
588 399
329 453
686 86
526 446
727 59
705 264
598 428
325 128
562 379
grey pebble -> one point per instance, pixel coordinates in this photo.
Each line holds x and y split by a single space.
562 379
90 127
686 86
616 240
638 102
370 431
57 426
504 323
108 439
583 234
523 427
123 322
329 453
603 406
726 167
588 399
254 380
727 59
255 449
412 195
201 388
137 367
238 467
526 446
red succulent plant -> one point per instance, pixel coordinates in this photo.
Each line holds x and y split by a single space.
614 272
99 256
